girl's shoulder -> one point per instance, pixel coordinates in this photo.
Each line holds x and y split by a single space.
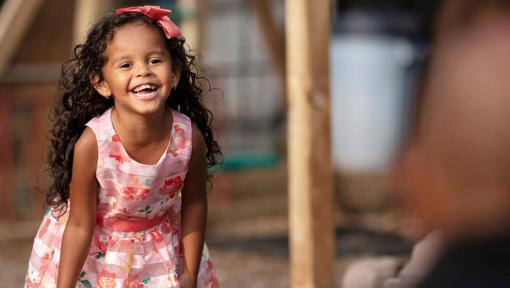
86 142
85 153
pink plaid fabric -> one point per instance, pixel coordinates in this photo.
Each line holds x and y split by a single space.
130 192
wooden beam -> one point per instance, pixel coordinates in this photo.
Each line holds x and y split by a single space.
86 12
310 173
192 26
15 18
273 38
32 73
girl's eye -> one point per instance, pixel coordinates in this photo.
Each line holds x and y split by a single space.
155 60
125 65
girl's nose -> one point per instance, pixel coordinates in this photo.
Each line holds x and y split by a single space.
143 71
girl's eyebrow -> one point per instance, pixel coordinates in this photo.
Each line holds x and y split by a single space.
121 58
128 57
157 51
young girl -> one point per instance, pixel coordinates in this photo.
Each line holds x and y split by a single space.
127 206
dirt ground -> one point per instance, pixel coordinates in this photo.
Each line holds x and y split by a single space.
247 234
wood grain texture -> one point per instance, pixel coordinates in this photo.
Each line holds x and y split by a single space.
310 169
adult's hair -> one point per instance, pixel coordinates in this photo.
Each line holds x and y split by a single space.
459 14
446 18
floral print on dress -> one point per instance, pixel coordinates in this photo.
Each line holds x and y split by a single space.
171 186
121 212
134 193
128 191
106 279
32 285
134 281
116 150
44 228
180 143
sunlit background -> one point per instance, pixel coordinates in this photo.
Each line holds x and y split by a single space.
377 49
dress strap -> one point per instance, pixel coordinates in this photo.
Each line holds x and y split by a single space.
101 125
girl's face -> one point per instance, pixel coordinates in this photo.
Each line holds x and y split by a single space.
138 70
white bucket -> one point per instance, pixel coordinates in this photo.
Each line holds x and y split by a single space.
369 96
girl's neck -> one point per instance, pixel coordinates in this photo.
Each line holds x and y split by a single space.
138 130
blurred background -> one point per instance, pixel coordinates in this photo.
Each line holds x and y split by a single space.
376 55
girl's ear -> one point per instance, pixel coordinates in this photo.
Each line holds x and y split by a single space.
100 86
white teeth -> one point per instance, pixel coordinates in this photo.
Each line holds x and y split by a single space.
144 86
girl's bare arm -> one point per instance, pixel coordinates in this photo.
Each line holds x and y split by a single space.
82 215
194 209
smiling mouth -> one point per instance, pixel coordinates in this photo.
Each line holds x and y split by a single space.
145 91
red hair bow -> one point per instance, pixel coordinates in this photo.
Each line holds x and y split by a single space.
156 13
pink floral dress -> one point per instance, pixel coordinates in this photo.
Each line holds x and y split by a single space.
137 241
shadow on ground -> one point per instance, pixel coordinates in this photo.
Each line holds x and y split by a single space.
350 241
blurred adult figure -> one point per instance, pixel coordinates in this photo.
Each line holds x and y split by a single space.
456 169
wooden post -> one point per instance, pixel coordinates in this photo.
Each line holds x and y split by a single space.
36 153
192 25
7 205
310 172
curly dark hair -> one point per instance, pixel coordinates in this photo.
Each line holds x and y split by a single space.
78 101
